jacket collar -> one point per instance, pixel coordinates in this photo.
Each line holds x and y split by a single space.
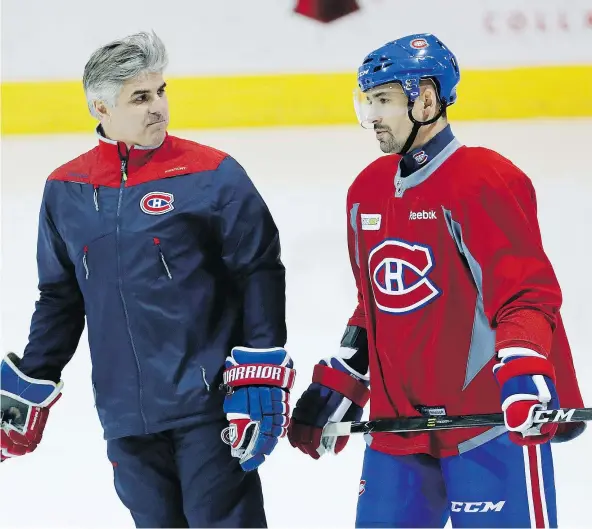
117 151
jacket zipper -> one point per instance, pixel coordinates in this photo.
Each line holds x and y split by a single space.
96 196
84 261
124 160
166 267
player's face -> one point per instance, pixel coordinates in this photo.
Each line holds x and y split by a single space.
141 114
387 112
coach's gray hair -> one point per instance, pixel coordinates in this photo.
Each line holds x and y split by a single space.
112 65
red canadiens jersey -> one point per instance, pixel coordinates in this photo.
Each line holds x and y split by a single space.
450 268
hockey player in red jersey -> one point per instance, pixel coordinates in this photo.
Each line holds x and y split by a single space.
458 313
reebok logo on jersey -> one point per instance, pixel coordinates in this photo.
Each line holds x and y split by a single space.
371 221
422 215
476 506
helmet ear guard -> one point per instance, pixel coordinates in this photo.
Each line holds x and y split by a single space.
410 86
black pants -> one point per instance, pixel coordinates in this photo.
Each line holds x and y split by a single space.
185 477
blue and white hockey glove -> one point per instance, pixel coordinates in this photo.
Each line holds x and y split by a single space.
257 406
24 408
527 382
338 393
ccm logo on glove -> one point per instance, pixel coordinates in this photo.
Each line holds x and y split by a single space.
527 382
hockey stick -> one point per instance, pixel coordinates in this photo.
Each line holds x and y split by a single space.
447 422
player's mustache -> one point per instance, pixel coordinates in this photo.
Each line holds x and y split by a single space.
156 119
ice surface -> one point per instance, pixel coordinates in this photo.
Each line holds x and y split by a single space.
303 175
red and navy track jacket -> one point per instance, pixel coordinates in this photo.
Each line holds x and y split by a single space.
174 258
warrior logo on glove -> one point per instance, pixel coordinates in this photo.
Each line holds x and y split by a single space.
258 383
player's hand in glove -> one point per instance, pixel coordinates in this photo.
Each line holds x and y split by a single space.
257 406
24 408
527 382
338 393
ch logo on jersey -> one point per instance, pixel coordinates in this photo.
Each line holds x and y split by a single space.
157 203
400 276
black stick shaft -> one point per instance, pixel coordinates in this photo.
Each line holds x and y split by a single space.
447 422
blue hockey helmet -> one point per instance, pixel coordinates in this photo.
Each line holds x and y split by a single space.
407 61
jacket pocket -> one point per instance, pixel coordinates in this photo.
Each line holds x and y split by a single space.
162 258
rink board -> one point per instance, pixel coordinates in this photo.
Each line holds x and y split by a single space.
54 107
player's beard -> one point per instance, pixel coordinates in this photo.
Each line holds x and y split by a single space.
388 143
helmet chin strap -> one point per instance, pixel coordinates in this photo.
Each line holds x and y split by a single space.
417 125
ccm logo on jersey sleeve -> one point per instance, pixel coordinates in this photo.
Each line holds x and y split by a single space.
157 203
400 276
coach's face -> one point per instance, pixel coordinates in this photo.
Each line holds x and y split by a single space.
141 113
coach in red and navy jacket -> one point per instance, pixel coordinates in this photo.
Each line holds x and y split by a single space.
169 251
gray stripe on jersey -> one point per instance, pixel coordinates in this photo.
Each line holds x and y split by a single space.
482 347
353 220
481 439
419 176
467 445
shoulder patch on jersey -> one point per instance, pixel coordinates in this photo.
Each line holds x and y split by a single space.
371 221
